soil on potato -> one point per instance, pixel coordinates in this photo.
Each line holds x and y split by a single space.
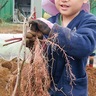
8 67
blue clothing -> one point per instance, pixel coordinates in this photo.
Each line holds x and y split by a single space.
79 41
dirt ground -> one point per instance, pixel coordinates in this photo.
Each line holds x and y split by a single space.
8 67
10 28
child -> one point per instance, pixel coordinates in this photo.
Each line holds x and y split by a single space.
76 35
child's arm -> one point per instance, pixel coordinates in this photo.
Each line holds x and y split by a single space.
79 42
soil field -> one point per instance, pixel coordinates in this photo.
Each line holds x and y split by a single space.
8 67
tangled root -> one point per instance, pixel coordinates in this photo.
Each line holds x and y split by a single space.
35 80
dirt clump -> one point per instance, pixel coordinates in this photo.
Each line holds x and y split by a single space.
91 81
6 69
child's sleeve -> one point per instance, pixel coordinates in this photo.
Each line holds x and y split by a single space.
77 43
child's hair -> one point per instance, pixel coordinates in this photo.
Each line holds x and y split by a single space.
49 7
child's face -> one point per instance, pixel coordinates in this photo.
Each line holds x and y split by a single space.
69 7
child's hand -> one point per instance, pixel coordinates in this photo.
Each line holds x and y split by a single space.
39 26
